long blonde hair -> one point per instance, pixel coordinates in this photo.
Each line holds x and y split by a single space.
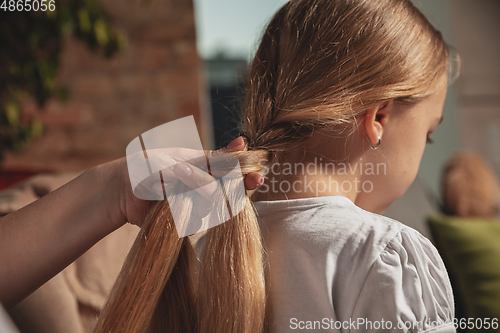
320 63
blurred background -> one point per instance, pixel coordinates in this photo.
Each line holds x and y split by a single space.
162 60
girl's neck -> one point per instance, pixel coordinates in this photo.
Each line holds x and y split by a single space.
309 175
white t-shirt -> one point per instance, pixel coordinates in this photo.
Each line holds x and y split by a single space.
334 267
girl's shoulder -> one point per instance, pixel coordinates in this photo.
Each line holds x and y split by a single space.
329 223
409 284
406 280
396 273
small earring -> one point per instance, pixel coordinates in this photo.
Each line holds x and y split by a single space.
378 144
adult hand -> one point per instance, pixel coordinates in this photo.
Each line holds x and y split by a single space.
129 208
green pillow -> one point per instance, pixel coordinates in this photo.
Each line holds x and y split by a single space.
470 249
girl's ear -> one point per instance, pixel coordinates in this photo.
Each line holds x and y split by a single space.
375 120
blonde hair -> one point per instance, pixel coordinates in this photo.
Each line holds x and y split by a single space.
320 63
470 187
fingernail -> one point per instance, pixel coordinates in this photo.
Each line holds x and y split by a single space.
182 170
261 181
235 143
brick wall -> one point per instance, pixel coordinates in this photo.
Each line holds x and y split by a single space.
476 27
157 79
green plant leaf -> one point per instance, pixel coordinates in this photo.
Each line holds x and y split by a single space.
84 20
13 114
36 128
101 33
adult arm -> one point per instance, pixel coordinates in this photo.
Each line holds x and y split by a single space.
41 239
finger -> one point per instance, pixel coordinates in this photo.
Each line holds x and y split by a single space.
197 179
237 144
253 180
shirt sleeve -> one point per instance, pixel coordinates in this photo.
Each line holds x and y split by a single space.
407 289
